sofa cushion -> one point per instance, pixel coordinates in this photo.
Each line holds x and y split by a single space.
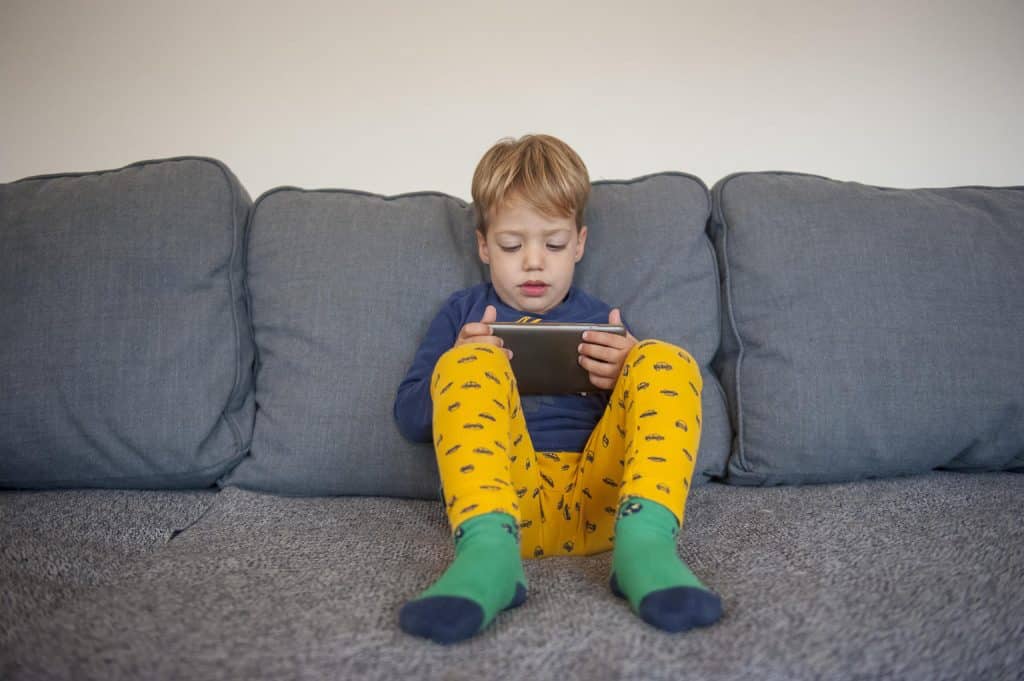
649 254
344 285
870 331
125 348
916 579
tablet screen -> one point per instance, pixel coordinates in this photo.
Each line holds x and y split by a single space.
545 355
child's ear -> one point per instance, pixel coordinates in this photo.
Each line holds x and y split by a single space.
481 247
581 242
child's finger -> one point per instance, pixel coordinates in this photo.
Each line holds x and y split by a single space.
601 382
599 368
612 340
493 340
599 352
476 329
490 340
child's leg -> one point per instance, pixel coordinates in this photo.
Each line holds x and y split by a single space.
479 437
638 466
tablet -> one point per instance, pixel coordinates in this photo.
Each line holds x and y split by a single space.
545 355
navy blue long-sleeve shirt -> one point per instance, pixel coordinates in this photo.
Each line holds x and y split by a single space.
555 422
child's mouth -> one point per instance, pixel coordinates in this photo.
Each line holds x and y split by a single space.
533 288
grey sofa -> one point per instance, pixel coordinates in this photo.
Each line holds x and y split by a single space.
202 479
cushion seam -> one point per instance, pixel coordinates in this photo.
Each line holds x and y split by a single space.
463 203
733 327
104 171
77 483
236 381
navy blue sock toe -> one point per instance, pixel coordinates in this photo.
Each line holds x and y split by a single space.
614 584
442 619
519 598
680 608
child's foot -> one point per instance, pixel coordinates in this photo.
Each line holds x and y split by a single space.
485 578
647 570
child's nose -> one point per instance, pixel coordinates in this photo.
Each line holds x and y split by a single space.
534 258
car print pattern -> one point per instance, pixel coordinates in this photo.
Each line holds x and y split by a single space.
565 502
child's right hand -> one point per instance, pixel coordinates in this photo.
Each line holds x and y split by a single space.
480 332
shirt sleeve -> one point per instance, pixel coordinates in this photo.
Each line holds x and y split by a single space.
414 409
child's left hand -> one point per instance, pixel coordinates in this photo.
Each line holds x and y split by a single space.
603 354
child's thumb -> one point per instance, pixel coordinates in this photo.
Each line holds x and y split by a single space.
490 314
615 317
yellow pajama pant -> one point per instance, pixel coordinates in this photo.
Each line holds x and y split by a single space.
645 445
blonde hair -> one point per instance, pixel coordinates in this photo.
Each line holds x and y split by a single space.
541 169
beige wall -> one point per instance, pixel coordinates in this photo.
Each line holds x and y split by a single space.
405 96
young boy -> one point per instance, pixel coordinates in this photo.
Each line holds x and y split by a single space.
550 475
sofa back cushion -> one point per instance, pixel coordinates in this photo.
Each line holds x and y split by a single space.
125 347
648 253
870 332
344 285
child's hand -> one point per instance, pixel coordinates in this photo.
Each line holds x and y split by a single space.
480 332
603 354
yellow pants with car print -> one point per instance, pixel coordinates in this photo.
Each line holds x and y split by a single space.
645 445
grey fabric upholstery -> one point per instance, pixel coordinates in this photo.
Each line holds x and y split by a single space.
125 347
914 578
870 332
344 285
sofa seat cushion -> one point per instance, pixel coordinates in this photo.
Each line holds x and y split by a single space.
916 579
125 346
870 332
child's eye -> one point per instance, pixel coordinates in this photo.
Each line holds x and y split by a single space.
556 247
509 249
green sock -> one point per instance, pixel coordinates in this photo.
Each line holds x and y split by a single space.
647 570
485 578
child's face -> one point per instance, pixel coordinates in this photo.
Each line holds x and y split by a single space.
532 256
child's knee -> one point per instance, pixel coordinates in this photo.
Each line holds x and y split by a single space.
664 361
479 359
